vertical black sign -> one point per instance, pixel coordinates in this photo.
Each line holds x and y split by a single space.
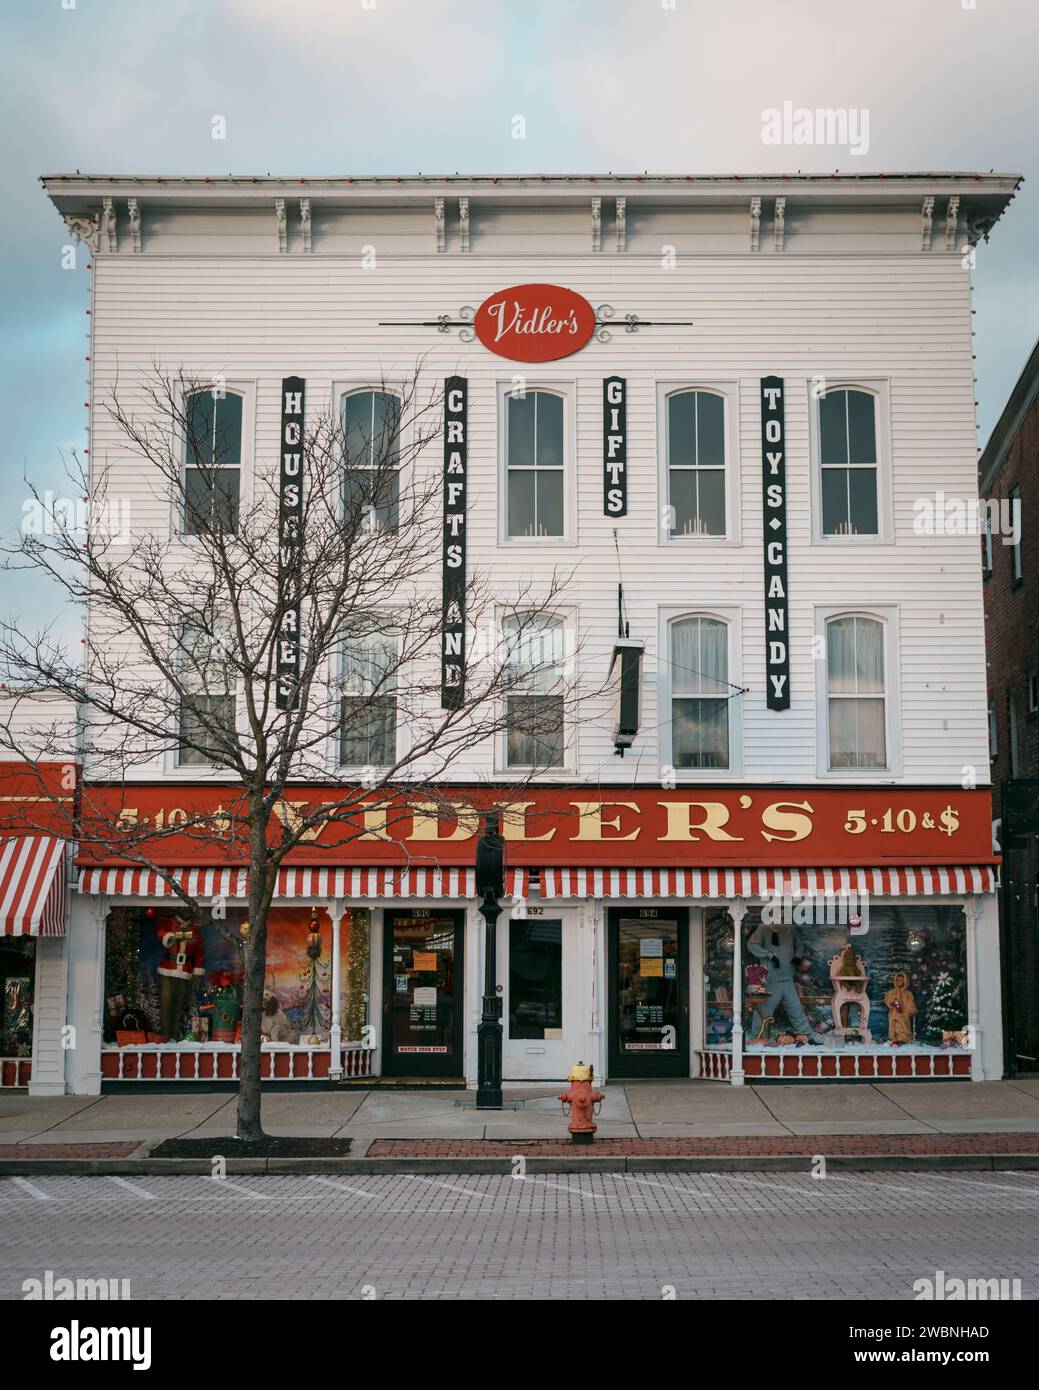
773 487
456 453
290 524
615 446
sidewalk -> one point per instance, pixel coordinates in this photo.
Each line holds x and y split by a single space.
686 1120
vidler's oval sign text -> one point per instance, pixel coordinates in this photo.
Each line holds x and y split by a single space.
534 323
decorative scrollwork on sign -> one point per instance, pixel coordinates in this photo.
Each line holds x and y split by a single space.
466 334
602 332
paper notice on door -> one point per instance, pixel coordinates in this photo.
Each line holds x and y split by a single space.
649 966
553 1035
425 998
424 960
651 946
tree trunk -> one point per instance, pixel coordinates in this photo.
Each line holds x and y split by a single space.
249 1123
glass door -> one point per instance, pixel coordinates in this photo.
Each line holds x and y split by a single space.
649 991
422 993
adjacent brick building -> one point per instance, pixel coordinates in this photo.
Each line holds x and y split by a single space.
1010 563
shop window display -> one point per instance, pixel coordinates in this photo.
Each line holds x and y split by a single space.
901 983
174 978
17 975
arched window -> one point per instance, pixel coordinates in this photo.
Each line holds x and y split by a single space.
696 463
371 444
848 460
856 692
212 461
534 711
535 464
700 692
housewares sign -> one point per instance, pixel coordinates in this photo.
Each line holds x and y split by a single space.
290 523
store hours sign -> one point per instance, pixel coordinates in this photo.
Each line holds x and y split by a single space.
773 483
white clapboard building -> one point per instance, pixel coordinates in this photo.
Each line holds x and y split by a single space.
738 397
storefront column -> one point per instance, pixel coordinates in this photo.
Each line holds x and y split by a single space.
737 911
50 1002
86 987
984 998
335 1033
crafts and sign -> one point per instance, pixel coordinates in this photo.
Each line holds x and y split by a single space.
456 455
534 323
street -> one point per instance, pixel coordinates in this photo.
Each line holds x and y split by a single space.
557 1236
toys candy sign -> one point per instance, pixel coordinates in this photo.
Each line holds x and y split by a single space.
534 323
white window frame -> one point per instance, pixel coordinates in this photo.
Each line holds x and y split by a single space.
986 559
238 386
728 390
402 743
395 385
880 389
1013 733
1016 558
567 615
172 766
888 615
1033 691
732 617
566 388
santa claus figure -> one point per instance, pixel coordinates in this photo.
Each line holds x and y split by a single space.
182 963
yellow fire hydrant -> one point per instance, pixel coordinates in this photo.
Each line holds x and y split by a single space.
583 1103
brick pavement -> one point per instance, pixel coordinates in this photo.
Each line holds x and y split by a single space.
595 1236
754 1146
121 1150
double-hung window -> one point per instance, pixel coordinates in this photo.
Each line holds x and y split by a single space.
371 444
369 661
849 463
696 464
535 465
212 461
856 692
534 704
206 721
700 691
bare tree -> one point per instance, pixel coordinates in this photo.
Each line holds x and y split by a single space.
189 612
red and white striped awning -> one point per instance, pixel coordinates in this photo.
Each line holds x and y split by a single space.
369 882
33 899
345 882
901 881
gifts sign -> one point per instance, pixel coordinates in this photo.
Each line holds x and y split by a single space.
290 524
452 637
773 484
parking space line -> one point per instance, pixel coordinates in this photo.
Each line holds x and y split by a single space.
32 1189
128 1186
344 1187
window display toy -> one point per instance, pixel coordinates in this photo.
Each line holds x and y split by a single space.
849 979
901 1009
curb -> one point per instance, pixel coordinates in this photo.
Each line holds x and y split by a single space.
679 1163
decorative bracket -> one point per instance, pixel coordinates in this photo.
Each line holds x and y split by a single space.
281 223
84 229
755 223
108 227
133 213
304 222
622 223
952 217
439 224
604 320
779 224
463 224
927 223
596 224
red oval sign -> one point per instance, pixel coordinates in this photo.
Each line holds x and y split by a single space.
534 323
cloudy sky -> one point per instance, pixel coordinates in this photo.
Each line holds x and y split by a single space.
433 86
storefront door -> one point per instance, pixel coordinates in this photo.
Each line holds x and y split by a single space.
422 993
537 966
648 991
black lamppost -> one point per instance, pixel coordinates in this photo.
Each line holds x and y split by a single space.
490 884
